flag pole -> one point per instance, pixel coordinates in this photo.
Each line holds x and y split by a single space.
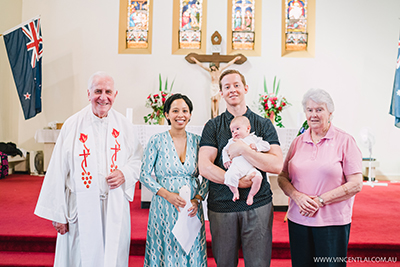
19 25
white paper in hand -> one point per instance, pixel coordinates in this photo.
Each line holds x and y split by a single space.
186 228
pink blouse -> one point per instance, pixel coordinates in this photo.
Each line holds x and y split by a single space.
317 168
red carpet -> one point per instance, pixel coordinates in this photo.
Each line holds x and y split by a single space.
27 240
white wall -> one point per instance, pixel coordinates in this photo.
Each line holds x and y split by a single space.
355 60
10 15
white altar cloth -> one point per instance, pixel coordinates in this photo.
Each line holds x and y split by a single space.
286 136
144 132
46 135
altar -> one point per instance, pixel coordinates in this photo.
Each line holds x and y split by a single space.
286 136
144 132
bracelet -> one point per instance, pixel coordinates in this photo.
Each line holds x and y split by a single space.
321 200
199 198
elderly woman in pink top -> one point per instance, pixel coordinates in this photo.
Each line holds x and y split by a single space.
321 175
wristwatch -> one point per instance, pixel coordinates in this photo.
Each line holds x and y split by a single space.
198 200
321 200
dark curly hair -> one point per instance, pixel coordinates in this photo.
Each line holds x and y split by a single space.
168 103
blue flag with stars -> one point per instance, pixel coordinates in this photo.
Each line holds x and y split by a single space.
395 105
24 48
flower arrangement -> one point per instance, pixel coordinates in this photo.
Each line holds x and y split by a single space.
156 102
271 104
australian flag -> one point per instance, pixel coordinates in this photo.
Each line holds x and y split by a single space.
395 105
25 47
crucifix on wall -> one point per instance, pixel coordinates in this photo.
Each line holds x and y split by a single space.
215 71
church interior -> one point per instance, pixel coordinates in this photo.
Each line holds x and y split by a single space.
354 52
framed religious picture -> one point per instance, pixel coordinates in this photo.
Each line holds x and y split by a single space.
189 26
298 28
244 27
135 26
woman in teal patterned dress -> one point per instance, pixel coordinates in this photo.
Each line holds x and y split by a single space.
172 155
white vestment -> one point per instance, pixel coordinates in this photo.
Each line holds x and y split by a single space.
75 191
240 166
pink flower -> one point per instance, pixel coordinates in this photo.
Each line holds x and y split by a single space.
163 100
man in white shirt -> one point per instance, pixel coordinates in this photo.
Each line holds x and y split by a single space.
90 181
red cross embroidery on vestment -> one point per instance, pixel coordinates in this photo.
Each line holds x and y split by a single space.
86 177
116 148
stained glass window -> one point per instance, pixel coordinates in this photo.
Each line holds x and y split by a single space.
296 19
137 33
190 24
243 24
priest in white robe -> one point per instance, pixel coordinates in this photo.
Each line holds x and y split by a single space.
90 181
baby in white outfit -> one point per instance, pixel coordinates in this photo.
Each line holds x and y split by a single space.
239 167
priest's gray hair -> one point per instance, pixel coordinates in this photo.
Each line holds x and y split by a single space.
99 74
319 96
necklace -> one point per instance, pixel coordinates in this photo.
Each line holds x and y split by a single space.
316 141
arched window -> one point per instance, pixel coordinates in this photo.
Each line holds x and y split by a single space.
298 27
189 26
244 27
135 26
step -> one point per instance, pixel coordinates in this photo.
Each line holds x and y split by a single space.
28 259
27 244
40 259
